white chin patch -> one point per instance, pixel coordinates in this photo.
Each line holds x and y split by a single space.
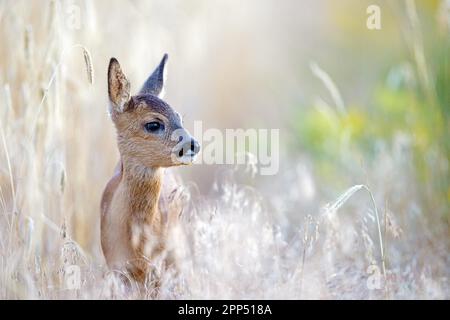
188 158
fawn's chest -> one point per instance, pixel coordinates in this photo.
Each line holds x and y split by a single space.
129 225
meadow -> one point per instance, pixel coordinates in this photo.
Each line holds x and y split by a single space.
360 206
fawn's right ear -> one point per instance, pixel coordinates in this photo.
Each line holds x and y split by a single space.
155 83
118 86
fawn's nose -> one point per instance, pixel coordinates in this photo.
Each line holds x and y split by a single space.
195 146
190 148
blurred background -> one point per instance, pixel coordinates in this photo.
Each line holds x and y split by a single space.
354 106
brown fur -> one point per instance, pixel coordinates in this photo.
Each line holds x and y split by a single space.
138 206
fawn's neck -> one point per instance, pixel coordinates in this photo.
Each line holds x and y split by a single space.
142 187
141 191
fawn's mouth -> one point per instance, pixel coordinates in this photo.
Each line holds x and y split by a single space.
184 158
187 153
188 158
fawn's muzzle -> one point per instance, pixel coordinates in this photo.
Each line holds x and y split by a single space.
186 149
189 148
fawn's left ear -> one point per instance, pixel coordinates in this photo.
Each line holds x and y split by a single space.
118 86
155 83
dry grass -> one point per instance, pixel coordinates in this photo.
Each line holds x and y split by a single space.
275 240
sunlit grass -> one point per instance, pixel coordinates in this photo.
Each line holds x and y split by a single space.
363 189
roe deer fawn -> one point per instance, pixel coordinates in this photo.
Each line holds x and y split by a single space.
136 203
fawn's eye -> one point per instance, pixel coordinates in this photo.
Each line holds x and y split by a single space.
154 126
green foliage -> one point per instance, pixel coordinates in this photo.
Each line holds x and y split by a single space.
398 108
405 102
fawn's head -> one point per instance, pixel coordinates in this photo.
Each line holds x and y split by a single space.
150 133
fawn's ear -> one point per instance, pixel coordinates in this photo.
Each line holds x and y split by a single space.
118 86
155 83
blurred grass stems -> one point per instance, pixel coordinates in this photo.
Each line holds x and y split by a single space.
343 198
89 72
242 245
